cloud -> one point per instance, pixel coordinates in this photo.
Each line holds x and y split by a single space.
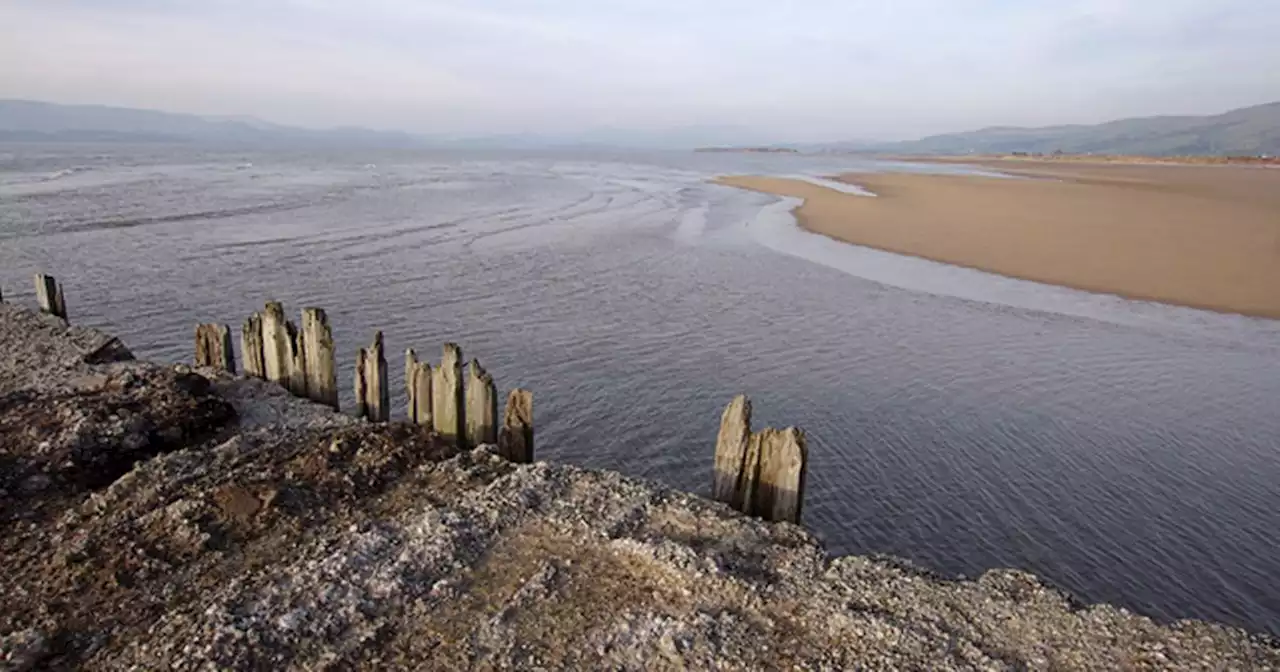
818 69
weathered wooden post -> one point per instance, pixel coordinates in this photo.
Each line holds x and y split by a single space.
361 385
277 345
318 350
417 387
298 376
213 347
731 452
749 478
49 296
759 473
515 439
782 473
372 394
482 406
251 347
447 410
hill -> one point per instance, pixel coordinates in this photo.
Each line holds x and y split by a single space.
24 120
1250 131
32 121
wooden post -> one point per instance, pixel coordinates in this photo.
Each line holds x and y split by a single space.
515 440
298 377
251 347
277 347
213 347
417 387
782 474
410 389
317 347
49 296
383 392
749 477
759 473
362 385
372 394
482 406
447 411
731 452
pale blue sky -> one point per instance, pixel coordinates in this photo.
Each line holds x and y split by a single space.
800 70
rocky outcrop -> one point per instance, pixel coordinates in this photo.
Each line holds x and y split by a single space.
40 352
60 444
213 533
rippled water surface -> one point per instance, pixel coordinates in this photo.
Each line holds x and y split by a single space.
1127 451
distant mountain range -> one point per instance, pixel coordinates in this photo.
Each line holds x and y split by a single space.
1250 131
25 120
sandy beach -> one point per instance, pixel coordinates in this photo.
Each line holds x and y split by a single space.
1200 236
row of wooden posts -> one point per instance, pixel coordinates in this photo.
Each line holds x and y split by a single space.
302 361
758 473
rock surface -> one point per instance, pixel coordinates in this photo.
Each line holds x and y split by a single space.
40 352
157 518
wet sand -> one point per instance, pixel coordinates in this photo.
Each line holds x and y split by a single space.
1206 237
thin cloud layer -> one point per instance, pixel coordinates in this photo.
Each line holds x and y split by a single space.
822 69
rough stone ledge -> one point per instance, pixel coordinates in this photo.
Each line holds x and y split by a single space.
162 518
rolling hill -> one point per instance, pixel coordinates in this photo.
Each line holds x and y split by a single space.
26 120
1250 131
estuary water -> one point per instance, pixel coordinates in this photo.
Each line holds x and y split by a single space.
1126 451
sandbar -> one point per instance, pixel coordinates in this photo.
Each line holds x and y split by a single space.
1201 236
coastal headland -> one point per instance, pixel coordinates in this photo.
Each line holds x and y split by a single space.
1200 236
155 516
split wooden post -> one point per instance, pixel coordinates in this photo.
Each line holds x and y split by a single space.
749 479
515 439
372 394
782 472
318 352
482 406
49 296
417 387
213 347
731 452
759 473
447 410
251 347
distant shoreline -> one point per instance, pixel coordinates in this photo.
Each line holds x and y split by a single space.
745 150
1098 159
1196 236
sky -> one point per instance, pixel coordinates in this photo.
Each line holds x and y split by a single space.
770 70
